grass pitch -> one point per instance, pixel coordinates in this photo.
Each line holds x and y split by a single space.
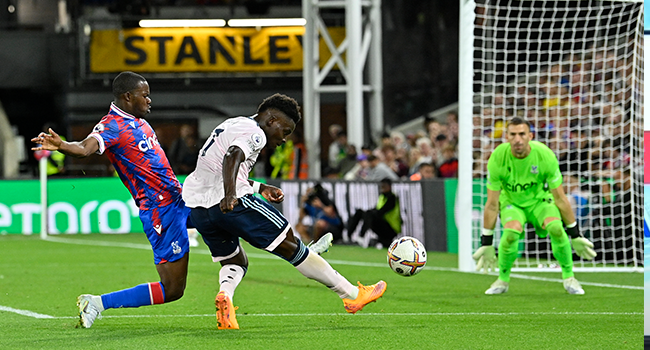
440 308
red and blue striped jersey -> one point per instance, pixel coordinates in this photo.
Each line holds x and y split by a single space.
133 149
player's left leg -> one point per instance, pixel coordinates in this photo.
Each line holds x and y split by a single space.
549 215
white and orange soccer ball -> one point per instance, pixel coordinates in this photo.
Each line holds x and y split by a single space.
407 256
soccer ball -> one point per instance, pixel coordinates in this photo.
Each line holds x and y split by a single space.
407 256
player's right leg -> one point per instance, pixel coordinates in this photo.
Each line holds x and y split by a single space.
514 220
312 266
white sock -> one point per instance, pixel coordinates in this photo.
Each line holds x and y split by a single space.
97 299
318 269
229 277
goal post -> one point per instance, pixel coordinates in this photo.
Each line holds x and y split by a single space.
574 69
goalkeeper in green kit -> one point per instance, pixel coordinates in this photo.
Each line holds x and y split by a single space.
525 185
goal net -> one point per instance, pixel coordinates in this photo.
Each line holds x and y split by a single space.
574 69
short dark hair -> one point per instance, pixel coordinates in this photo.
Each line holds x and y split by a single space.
125 82
282 103
519 121
386 181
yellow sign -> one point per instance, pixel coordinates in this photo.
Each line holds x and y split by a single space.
164 50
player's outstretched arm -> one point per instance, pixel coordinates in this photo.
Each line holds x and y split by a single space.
53 142
485 256
230 168
583 247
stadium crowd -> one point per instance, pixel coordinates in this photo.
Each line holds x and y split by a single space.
426 154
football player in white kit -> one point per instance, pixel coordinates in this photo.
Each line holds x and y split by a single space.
223 208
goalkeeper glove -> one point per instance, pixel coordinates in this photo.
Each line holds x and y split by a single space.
485 256
582 246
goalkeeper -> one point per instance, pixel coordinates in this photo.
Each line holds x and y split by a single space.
521 173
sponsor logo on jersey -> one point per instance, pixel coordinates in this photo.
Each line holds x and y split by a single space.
147 143
132 124
519 187
534 170
158 229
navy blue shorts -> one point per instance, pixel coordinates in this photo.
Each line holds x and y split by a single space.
253 219
167 231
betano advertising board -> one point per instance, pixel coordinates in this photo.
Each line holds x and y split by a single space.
97 205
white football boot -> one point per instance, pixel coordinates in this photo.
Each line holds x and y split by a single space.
89 310
323 244
498 287
572 286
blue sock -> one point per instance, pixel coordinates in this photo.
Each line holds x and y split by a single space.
140 295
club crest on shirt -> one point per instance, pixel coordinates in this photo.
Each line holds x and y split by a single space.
534 170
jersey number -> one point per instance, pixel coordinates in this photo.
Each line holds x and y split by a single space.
215 134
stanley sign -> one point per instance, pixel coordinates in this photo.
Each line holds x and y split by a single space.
167 50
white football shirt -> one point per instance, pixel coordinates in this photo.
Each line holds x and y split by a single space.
204 186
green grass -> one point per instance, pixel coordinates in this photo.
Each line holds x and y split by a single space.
280 309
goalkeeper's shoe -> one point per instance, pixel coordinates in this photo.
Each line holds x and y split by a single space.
225 312
323 244
498 287
88 310
367 294
572 286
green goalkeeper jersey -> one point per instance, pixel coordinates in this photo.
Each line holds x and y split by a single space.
523 182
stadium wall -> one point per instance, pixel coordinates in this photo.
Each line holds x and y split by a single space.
104 205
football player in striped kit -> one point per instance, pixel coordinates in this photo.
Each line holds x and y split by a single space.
225 209
133 149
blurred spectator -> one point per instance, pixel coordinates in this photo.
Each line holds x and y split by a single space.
578 197
299 161
425 154
281 160
184 151
379 170
385 220
449 167
360 170
55 159
317 205
397 165
342 155
289 161
440 143
425 171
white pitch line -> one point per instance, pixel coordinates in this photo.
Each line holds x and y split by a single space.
24 312
331 261
391 314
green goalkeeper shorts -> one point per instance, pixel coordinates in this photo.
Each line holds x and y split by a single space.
535 214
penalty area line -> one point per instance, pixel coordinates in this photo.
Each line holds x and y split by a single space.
24 312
